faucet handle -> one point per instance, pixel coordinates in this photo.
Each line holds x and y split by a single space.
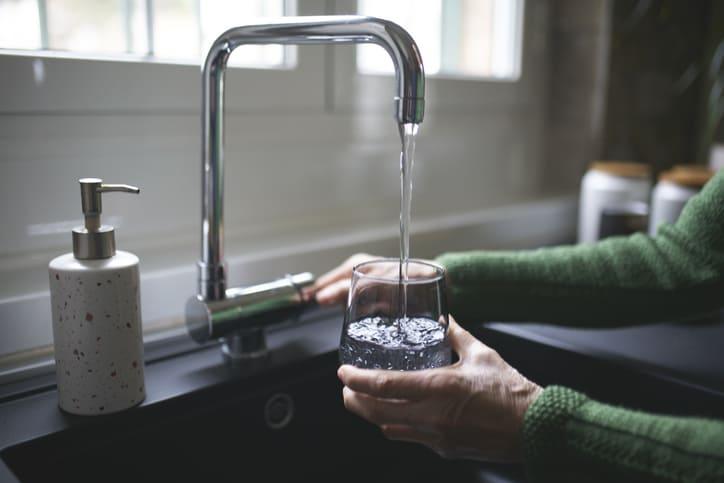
247 308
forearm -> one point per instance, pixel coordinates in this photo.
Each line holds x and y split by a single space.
569 437
616 282
636 279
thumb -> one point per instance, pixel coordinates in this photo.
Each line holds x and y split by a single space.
460 339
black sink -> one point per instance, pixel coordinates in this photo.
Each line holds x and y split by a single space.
201 422
240 431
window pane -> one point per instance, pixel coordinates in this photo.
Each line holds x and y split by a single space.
96 26
177 30
220 15
419 17
479 38
19 24
185 29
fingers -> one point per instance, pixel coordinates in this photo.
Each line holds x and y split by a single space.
384 411
403 432
335 293
411 385
462 341
342 271
332 287
418 434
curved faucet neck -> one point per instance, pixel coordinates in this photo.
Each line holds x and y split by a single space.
409 106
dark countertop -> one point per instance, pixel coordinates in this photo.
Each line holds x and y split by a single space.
690 353
682 359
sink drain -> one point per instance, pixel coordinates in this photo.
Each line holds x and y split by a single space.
278 411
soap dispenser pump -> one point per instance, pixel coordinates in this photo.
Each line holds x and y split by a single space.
96 309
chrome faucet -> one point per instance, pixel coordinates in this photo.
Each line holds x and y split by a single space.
217 310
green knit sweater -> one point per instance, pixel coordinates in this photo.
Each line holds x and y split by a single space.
619 281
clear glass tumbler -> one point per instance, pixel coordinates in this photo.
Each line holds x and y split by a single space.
390 324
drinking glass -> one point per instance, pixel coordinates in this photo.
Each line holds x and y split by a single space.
395 324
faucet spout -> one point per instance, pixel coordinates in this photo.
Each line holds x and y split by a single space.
409 105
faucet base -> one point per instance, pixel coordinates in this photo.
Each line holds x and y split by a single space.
245 348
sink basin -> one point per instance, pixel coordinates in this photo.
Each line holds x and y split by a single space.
202 423
241 432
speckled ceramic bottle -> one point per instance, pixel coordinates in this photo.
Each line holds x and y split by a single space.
96 309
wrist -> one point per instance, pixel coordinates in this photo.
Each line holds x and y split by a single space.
525 398
544 427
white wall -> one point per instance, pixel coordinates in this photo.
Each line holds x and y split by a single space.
312 156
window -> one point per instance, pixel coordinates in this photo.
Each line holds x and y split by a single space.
469 38
325 126
167 30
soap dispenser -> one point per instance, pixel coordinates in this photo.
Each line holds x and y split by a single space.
96 309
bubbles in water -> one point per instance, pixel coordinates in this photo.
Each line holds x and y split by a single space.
405 344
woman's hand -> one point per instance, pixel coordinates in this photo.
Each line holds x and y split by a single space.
471 409
332 287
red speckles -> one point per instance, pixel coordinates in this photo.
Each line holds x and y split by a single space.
134 364
88 316
57 277
113 374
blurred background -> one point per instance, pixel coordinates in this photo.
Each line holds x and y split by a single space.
522 96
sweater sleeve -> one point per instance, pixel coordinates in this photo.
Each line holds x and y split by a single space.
618 281
569 437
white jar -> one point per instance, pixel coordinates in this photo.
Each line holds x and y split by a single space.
609 185
674 189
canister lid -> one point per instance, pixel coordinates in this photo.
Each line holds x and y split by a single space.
688 175
626 169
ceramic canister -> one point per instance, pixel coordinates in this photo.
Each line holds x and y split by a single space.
674 188
97 333
609 185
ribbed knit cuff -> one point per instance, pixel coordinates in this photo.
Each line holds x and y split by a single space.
544 431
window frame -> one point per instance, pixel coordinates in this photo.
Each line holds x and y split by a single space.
325 82
46 81
444 92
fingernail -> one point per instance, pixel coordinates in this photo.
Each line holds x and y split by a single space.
340 373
